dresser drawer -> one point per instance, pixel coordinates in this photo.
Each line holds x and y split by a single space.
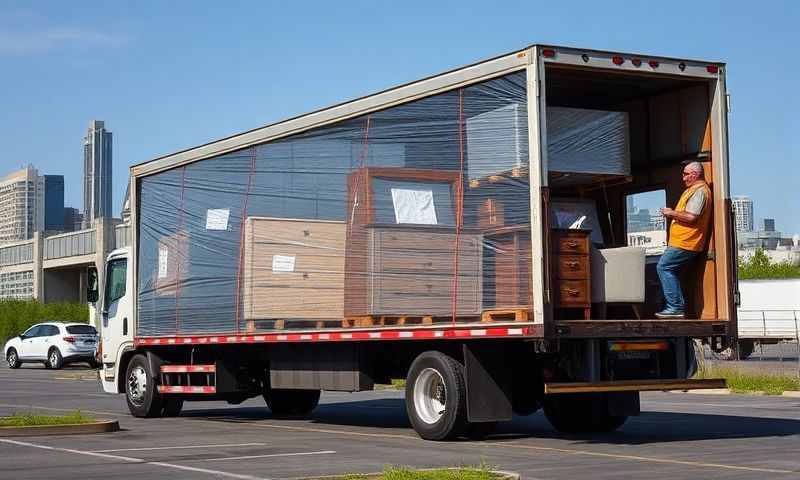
566 243
573 292
575 267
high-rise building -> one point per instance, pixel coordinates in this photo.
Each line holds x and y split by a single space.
768 225
54 203
97 172
743 207
21 205
73 219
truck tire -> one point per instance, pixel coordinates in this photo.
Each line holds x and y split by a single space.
576 413
291 402
141 392
436 400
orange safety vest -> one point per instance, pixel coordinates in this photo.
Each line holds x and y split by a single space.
691 237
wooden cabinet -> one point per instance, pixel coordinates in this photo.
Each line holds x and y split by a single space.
403 264
571 270
293 269
410 272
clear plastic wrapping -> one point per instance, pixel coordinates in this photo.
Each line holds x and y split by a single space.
588 141
416 214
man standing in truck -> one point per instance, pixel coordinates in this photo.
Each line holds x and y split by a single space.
690 226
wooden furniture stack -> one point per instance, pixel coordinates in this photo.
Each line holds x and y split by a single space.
407 269
293 269
571 270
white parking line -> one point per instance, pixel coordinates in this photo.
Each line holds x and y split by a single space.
179 447
218 473
298 454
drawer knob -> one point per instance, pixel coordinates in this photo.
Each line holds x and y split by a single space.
573 265
572 244
572 292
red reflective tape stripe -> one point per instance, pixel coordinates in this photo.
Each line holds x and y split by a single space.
465 332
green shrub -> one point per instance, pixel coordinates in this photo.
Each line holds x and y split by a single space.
759 267
17 315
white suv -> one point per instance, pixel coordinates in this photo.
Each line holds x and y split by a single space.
54 344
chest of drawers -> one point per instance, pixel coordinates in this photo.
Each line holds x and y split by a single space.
571 270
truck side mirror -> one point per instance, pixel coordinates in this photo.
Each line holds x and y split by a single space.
92 285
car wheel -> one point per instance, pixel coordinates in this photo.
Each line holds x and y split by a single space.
436 400
12 357
93 364
141 392
54 359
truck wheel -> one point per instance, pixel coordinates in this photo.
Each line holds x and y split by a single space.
436 400
54 359
578 413
141 392
172 407
291 402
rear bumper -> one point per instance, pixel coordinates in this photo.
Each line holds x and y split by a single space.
634 386
640 328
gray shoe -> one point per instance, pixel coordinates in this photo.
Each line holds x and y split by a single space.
666 314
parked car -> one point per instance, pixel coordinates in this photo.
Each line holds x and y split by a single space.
54 344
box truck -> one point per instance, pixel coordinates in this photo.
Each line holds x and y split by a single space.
470 232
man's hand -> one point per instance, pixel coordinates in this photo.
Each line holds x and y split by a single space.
683 217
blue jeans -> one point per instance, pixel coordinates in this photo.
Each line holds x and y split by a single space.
669 266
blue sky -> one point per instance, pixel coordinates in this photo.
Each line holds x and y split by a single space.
170 75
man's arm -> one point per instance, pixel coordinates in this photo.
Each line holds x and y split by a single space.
683 217
694 207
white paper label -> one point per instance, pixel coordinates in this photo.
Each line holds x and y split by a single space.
283 263
163 259
217 218
414 206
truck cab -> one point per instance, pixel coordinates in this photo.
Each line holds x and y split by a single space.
112 296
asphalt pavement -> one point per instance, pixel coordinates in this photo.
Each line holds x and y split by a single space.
678 435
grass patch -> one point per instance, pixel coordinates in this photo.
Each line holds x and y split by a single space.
744 381
405 473
17 315
31 419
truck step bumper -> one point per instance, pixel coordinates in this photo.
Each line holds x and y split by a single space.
633 386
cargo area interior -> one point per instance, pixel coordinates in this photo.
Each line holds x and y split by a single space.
653 126
420 213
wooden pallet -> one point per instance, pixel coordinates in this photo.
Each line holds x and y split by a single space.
506 314
389 320
285 324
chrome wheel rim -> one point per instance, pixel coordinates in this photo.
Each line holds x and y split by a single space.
53 358
430 396
12 358
137 385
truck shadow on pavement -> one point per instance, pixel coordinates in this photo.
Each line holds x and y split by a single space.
649 428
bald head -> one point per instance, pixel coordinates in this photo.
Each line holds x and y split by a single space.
692 173
696 167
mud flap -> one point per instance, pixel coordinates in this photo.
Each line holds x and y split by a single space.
488 381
